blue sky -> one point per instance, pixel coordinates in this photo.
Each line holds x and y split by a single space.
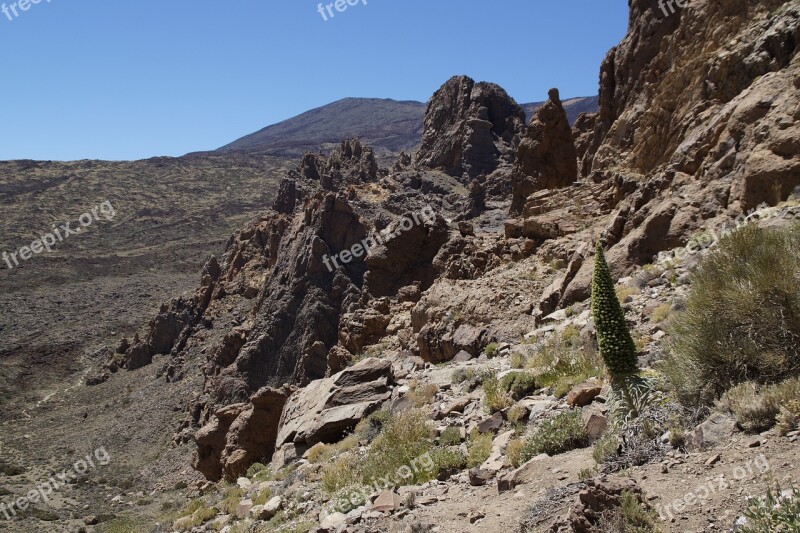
111 79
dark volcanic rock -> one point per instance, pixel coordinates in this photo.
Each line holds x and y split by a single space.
546 158
470 128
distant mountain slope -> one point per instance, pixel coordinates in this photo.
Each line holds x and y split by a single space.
389 126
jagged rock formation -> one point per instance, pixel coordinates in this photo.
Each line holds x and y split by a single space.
470 128
671 150
698 112
546 157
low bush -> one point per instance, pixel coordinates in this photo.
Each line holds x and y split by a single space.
405 437
514 452
447 460
422 395
632 516
563 364
320 453
758 408
516 413
491 350
518 360
518 384
496 397
451 436
742 317
557 435
779 510
479 448
605 447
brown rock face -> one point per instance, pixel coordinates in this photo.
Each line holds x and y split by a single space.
239 435
470 128
546 157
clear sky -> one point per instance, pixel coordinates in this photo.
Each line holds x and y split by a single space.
123 79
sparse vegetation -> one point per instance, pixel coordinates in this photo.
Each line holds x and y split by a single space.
631 517
605 447
422 395
518 384
514 452
490 350
563 364
660 313
557 435
516 413
778 510
449 460
479 448
495 396
451 436
742 317
757 408
517 360
403 438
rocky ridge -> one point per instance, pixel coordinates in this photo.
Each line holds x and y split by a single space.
697 123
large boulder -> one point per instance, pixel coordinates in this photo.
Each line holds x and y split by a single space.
326 409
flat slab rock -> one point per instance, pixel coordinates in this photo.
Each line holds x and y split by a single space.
327 408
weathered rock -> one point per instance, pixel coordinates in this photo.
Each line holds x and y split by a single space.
325 409
470 129
524 474
479 477
386 502
491 424
717 429
583 394
546 157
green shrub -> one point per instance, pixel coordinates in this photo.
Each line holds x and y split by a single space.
774 512
343 472
495 396
479 448
491 349
605 447
757 408
562 365
742 317
254 469
449 460
613 337
320 453
451 436
557 435
405 437
514 452
516 413
632 516
660 313
518 384
517 360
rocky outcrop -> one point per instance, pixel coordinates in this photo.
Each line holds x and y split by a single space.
546 157
327 408
470 129
239 435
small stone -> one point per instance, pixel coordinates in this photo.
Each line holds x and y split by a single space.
474 516
714 459
243 483
90 520
755 443
386 502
